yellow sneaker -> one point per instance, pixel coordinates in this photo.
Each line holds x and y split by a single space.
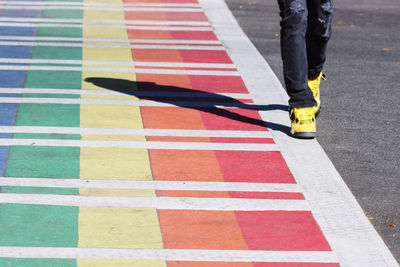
303 122
314 86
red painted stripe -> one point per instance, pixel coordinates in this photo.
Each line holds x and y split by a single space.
233 119
208 264
168 35
218 84
189 16
187 56
242 140
254 166
194 35
205 56
170 16
163 1
294 264
247 264
281 230
230 194
212 84
266 195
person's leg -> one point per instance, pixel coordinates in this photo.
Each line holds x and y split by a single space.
294 52
318 33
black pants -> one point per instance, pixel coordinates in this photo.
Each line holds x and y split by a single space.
305 31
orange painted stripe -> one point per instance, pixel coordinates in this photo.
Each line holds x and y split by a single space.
172 118
178 139
147 34
181 193
185 165
190 229
159 81
156 55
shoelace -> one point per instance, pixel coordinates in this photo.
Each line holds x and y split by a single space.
314 84
304 114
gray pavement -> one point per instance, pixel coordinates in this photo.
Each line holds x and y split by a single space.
358 125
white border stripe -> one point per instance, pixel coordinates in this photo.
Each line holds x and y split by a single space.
139 103
109 45
140 144
194 94
145 132
106 21
119 63
154 185
138 46
170 203
104 9
64 25
171 254
110 40
66 3
337 212
132 70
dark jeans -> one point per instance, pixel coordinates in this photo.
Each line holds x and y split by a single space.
305 31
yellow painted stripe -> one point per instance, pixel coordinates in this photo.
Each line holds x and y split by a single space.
106 227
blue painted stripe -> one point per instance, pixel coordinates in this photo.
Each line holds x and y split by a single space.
12 78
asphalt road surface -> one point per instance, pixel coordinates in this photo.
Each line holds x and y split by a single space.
358 126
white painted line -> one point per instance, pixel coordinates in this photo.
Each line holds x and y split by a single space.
340 217
144 132
194 94
65 3
154 185
110 40
132 70
139 103
109 45
106 21
140 144
103 26
104 8
171 254
119 63
169 203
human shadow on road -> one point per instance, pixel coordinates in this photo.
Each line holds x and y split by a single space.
188 98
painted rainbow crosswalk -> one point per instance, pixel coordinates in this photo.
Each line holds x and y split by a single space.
129 138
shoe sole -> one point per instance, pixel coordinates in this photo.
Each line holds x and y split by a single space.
303 135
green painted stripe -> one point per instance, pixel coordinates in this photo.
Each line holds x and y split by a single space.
52 79
17 262
51 95
38 225
43 162
39 190
47 136
31 114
